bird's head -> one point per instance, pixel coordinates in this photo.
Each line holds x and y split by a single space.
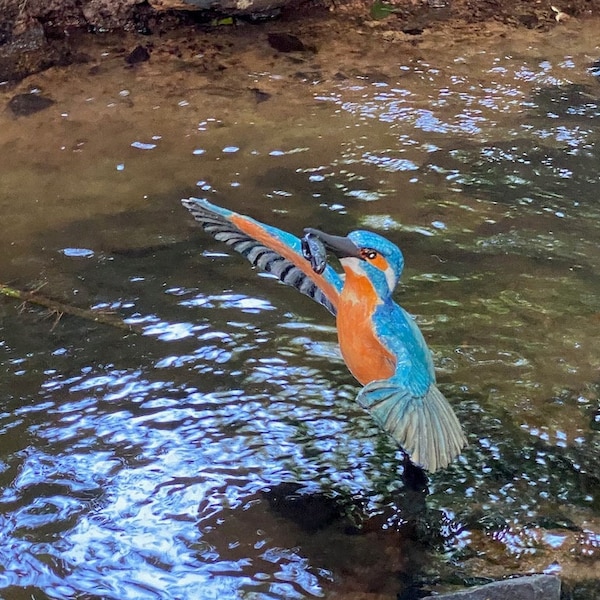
368 254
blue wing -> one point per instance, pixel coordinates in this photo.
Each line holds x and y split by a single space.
408 405
401 335
269 249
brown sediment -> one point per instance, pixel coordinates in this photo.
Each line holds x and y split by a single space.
40 34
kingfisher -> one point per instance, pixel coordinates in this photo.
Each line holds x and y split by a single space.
380 341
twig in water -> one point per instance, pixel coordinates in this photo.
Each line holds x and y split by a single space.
61 308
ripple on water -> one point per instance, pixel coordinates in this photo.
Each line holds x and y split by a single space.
136 460
164 464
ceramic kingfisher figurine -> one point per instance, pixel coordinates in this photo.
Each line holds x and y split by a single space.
379 341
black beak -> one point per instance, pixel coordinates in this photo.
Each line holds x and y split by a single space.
342 247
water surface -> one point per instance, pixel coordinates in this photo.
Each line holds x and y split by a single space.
214 449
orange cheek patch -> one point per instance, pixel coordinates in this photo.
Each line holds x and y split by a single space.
380 262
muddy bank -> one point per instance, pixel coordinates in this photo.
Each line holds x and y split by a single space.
37 35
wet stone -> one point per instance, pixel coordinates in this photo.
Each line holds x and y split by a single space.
529 21
413 30
137 55
286 42
23 105
259 95
535 587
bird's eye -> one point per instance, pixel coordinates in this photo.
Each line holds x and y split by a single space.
369 254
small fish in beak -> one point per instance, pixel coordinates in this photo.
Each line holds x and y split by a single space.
342 247
314 251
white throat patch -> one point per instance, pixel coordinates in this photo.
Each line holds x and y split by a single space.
390 278
353 263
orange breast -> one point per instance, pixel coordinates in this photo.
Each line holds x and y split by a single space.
364 354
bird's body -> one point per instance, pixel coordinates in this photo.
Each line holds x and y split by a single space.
361 345
379 341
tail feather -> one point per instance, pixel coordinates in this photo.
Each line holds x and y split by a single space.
424 426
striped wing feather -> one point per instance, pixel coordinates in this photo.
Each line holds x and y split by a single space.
259 254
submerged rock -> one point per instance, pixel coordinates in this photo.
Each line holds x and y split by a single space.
286 42
23 105
137 55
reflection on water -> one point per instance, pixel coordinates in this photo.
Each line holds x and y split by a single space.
215 450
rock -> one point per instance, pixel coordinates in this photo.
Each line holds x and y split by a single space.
23 105
137 55
34 34
170 4
101 15
285 42
533 587
60 16
228 7
22 49
259 95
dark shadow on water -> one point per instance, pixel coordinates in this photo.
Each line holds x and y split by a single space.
338 533
310 512
569 101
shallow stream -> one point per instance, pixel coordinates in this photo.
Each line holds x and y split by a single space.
213 449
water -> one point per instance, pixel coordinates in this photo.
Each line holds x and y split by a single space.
214 448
